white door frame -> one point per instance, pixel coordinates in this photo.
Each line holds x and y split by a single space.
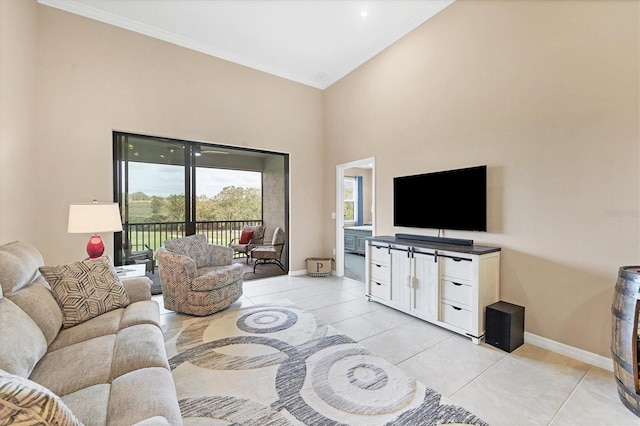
366 163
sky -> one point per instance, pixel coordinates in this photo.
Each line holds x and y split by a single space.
163 180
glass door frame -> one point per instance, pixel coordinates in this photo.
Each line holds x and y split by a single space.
121 181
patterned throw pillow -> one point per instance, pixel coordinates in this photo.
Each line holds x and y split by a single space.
85 289
24 402
193 246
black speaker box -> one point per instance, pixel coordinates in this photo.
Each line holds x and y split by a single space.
504 326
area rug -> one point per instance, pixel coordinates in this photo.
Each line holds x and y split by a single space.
279 365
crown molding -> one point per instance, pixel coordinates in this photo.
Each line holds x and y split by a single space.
328 78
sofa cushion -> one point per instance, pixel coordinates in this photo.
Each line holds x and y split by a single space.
77 366
26 402
142 394
102 325
138 288
37 301
140 346
193 246
85 289
154 421
23 343
90 404
19 264
144 312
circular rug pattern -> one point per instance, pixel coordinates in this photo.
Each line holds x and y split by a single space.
319 376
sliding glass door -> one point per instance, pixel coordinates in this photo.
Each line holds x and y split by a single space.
170 188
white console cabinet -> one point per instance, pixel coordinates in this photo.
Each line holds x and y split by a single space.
446 284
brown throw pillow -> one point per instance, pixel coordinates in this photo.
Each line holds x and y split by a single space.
85 289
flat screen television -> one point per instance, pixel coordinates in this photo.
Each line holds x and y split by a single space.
451 199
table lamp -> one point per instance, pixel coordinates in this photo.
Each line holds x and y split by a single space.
91 218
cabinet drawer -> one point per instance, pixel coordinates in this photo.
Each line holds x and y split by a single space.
379 255
457 292
457 268
380 290
380 273
456 315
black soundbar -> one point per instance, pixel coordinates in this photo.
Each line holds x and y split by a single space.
442 240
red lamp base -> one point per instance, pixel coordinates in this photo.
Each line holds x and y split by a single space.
95 247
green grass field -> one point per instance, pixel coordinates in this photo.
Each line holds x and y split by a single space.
143 240
151 237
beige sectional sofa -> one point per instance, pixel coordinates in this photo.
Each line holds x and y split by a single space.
67 359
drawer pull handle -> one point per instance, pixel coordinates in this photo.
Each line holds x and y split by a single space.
377 266
377 283
456 284
456 308
457 259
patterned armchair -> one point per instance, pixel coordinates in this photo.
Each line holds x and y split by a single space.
198 278
251 236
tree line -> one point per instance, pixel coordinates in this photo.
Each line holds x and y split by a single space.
232 203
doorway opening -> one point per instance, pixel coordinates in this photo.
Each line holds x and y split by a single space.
359 205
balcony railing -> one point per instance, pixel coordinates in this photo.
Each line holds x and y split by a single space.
151 235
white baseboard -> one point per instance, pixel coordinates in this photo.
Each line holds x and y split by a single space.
570 351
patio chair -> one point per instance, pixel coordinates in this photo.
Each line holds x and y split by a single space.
251 237
271 253
140 256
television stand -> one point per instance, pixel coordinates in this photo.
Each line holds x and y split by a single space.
442 240
445 284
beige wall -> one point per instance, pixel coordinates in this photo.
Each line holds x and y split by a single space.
19 207
95 78
544 93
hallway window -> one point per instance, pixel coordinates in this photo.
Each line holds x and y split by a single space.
350 198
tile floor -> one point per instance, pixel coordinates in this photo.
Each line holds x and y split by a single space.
530 386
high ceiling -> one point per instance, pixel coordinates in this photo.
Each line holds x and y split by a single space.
313 42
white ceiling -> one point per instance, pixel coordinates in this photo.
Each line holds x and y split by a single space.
313 42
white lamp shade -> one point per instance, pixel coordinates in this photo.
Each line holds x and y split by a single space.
91 218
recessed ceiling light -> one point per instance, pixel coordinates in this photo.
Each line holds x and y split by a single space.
364 14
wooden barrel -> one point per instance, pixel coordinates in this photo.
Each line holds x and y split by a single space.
624 336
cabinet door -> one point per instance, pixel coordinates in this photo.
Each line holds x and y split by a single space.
424 297
401 279
360 243
349 241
